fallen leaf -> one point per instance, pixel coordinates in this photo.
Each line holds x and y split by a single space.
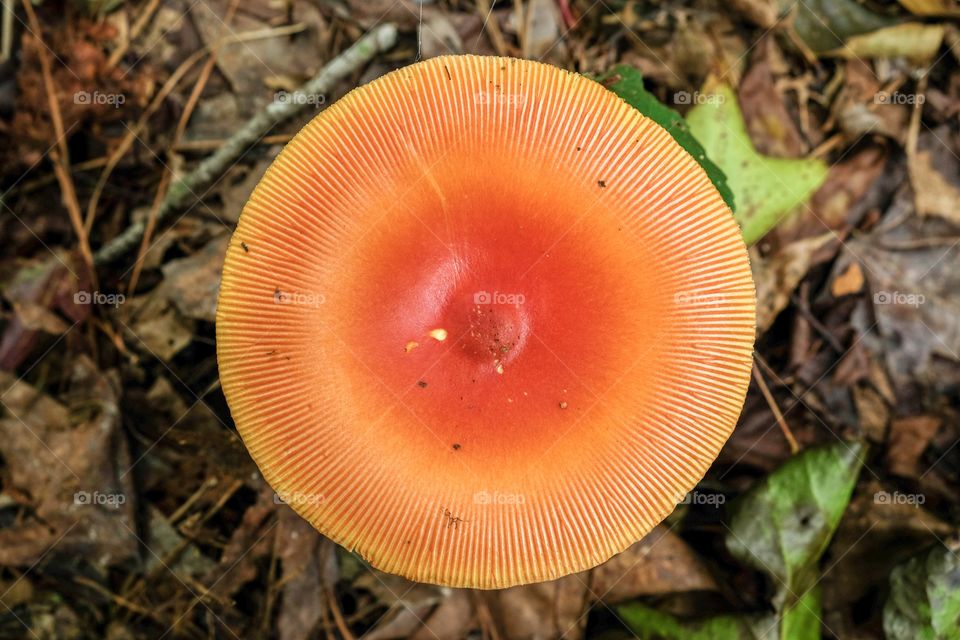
246 66
249 543
826 24
931 7
193 283
910 270
408 603
924 600
438 36
762 13
541 31
157 328
766 190
659 564
37 318
626 82
37 291
70 464
776 277
873 412
917 42
783 525
935 194
546 610
848 282
162 538
909 437
853 186
309 565
880 529
649 624
450 620
769 122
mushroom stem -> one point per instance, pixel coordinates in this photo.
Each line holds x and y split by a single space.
377 40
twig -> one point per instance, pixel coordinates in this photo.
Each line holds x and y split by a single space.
772 403
6 32
337 614
42 181
167 176
379 39
212 144
491 26
145 16
118 600
162 188
168 86
61 156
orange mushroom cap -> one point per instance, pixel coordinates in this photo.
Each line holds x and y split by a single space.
484 322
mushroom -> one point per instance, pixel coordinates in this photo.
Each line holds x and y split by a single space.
514 328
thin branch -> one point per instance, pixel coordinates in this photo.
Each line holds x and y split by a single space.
362 51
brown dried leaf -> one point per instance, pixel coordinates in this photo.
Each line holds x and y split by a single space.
661 563
848 282
70 465
936 194
778 276
909 437
546 610
193 283
308 562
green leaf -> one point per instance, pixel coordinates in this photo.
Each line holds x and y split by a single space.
766 189
626 82
924 600
801 619
649 624
783 525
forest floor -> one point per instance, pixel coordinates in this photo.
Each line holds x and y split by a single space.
129 507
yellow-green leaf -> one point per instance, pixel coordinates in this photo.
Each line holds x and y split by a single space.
911 40
766 189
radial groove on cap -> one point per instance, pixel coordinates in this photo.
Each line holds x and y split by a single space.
393 398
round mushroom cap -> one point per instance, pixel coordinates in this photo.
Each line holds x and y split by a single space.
484 323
